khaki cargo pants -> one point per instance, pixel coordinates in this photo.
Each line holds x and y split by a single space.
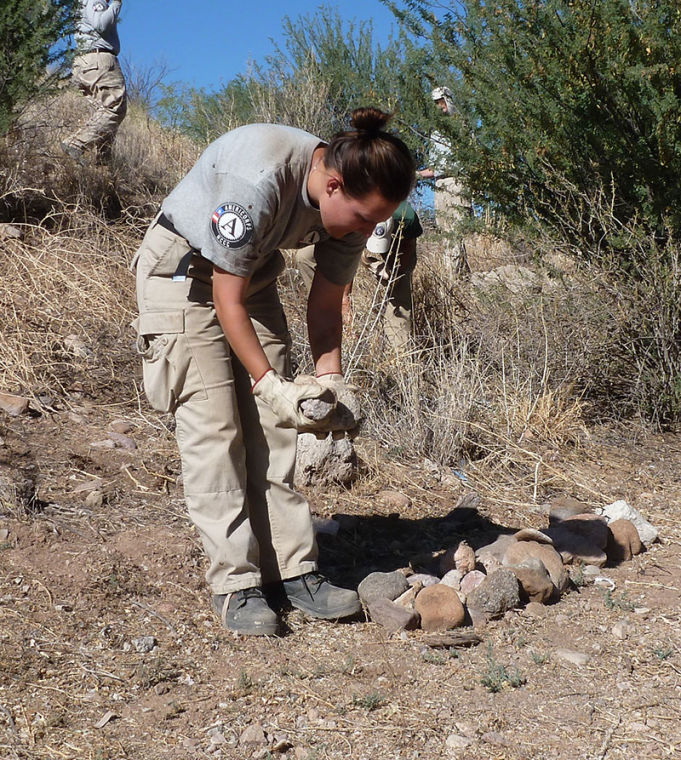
99 77
237 464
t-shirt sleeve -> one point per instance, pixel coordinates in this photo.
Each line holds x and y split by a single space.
337 260
236 220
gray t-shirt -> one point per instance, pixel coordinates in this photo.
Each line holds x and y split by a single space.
246 197
96 26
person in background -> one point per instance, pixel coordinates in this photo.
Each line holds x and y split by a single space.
215 345
390 255
451 205
97 73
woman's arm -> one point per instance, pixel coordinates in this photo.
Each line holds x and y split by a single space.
229 291
325 324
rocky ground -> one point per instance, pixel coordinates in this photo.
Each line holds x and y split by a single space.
109 649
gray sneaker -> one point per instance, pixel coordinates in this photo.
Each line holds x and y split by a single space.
246 611
315 596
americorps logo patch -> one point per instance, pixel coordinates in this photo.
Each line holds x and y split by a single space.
232 225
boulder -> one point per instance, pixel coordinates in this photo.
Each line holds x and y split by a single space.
562 507
440 608
392 616
593 527
497 594
535 582
382 586
575 547
520 551
623 541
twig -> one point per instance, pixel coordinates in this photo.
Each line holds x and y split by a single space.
606 741
156 614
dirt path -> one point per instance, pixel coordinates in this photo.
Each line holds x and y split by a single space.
87 588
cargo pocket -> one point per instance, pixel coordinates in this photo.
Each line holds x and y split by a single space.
165 360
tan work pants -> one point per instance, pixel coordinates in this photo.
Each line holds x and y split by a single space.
237 464
99 77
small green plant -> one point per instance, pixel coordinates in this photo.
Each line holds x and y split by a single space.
540 658
244 683
497 676
578 577
369 701
663 652
434 658
620 601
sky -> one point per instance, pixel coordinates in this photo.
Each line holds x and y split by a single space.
206 43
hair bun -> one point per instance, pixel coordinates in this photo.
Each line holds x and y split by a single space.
370 120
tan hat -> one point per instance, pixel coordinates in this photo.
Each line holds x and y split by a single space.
382 237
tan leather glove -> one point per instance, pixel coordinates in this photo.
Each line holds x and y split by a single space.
286 399
348 412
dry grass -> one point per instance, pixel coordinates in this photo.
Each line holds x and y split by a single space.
66 301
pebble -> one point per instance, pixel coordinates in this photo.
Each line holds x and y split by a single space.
94 500
394 499
382 586
575 658
253 734
122 441
121 426
456 741
144 644
535 609
621 629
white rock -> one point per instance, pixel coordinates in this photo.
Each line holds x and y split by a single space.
620 510
576 658
456 741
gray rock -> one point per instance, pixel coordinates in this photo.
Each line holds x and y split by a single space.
323 461
122 441
253 734
121 426
382 586
392 616
13 405
144 644
452 579
424 579
498 593
317 409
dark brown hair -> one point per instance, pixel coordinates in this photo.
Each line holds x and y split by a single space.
369 158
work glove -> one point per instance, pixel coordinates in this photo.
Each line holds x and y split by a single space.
287 400
348 413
